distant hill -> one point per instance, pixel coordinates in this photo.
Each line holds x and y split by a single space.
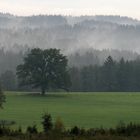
70 34
86 40
8 20
11 21
102 18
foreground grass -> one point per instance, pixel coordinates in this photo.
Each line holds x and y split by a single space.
86 110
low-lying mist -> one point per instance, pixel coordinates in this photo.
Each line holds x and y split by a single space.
86 40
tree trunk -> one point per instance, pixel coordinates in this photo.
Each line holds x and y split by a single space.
43 91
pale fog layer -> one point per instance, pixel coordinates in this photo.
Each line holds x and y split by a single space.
86 40
69 33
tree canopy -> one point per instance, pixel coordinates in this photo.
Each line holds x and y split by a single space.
44 69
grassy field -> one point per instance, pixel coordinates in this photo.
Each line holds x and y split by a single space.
85 110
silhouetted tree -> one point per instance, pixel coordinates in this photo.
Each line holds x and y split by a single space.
122 76
108 73
75 77
44 69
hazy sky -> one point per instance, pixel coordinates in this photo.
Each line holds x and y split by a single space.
72 7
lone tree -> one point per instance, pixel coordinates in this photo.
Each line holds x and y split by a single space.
44 69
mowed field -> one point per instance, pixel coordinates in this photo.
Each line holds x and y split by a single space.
83 109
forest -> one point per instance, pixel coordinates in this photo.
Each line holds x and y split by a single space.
112 75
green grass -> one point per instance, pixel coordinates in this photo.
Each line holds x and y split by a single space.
85 110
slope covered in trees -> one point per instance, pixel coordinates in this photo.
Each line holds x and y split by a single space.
87 41
9 59
69 33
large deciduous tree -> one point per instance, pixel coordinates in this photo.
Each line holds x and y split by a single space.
44 69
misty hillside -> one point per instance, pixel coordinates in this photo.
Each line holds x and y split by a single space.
113 19
70 34
11 21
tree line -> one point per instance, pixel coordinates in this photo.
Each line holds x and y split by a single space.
111 76
77 58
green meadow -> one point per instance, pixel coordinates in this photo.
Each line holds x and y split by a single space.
85 110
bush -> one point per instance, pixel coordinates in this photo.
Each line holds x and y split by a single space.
75 131
59 126
47 122
131 129
32 129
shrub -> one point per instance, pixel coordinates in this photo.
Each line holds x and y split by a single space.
32 129
59 126
75 131
47 122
